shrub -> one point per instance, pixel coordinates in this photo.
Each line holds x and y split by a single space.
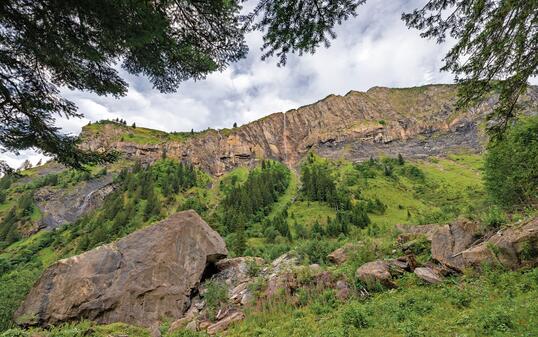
215 295
325 303
253 268
494 217
354 316
511 165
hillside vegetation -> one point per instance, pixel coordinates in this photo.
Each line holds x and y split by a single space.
269 210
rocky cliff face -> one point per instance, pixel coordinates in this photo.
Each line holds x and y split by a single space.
416 122
60 206
139 279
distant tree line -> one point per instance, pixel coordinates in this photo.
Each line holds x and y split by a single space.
251 200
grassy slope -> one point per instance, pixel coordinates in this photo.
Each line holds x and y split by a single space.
468 306
494 304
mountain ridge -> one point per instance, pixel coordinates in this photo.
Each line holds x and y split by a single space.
354 126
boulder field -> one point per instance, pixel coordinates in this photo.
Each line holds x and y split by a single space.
139 279
455 247
159 272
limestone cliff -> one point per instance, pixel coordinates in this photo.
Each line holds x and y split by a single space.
416 122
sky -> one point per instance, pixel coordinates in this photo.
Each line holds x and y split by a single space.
373 49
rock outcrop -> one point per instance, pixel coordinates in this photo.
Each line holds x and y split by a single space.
449 241
60 205
147 275
464 244
416 122
380 272
514 248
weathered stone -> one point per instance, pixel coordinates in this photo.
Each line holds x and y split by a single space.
236 270
285 262
192 326
429 275
514 247
203 325
237 293
343 292
375 272
341 254
410 232
283 282
314 267
139 279
401 263
225 322
188 317
324 280
449 241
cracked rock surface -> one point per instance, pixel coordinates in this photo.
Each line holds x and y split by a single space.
147 275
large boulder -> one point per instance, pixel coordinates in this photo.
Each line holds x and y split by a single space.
140 279
449 241
514 247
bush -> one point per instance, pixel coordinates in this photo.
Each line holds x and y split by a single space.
215 295
494 217
354 316
325 303
511 166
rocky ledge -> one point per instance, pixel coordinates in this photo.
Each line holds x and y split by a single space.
455 247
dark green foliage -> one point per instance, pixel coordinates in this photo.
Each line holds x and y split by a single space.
495 320
318 185
299 26
325 303
375 206
354 317
21 213
494 217
317 230
495 50
25 204
280 223
17 275
335 227
196 203
315 250
251 201
511 166
300 230
6 181
50 44
412 172
215 295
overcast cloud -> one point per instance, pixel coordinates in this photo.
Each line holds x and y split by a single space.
373 49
